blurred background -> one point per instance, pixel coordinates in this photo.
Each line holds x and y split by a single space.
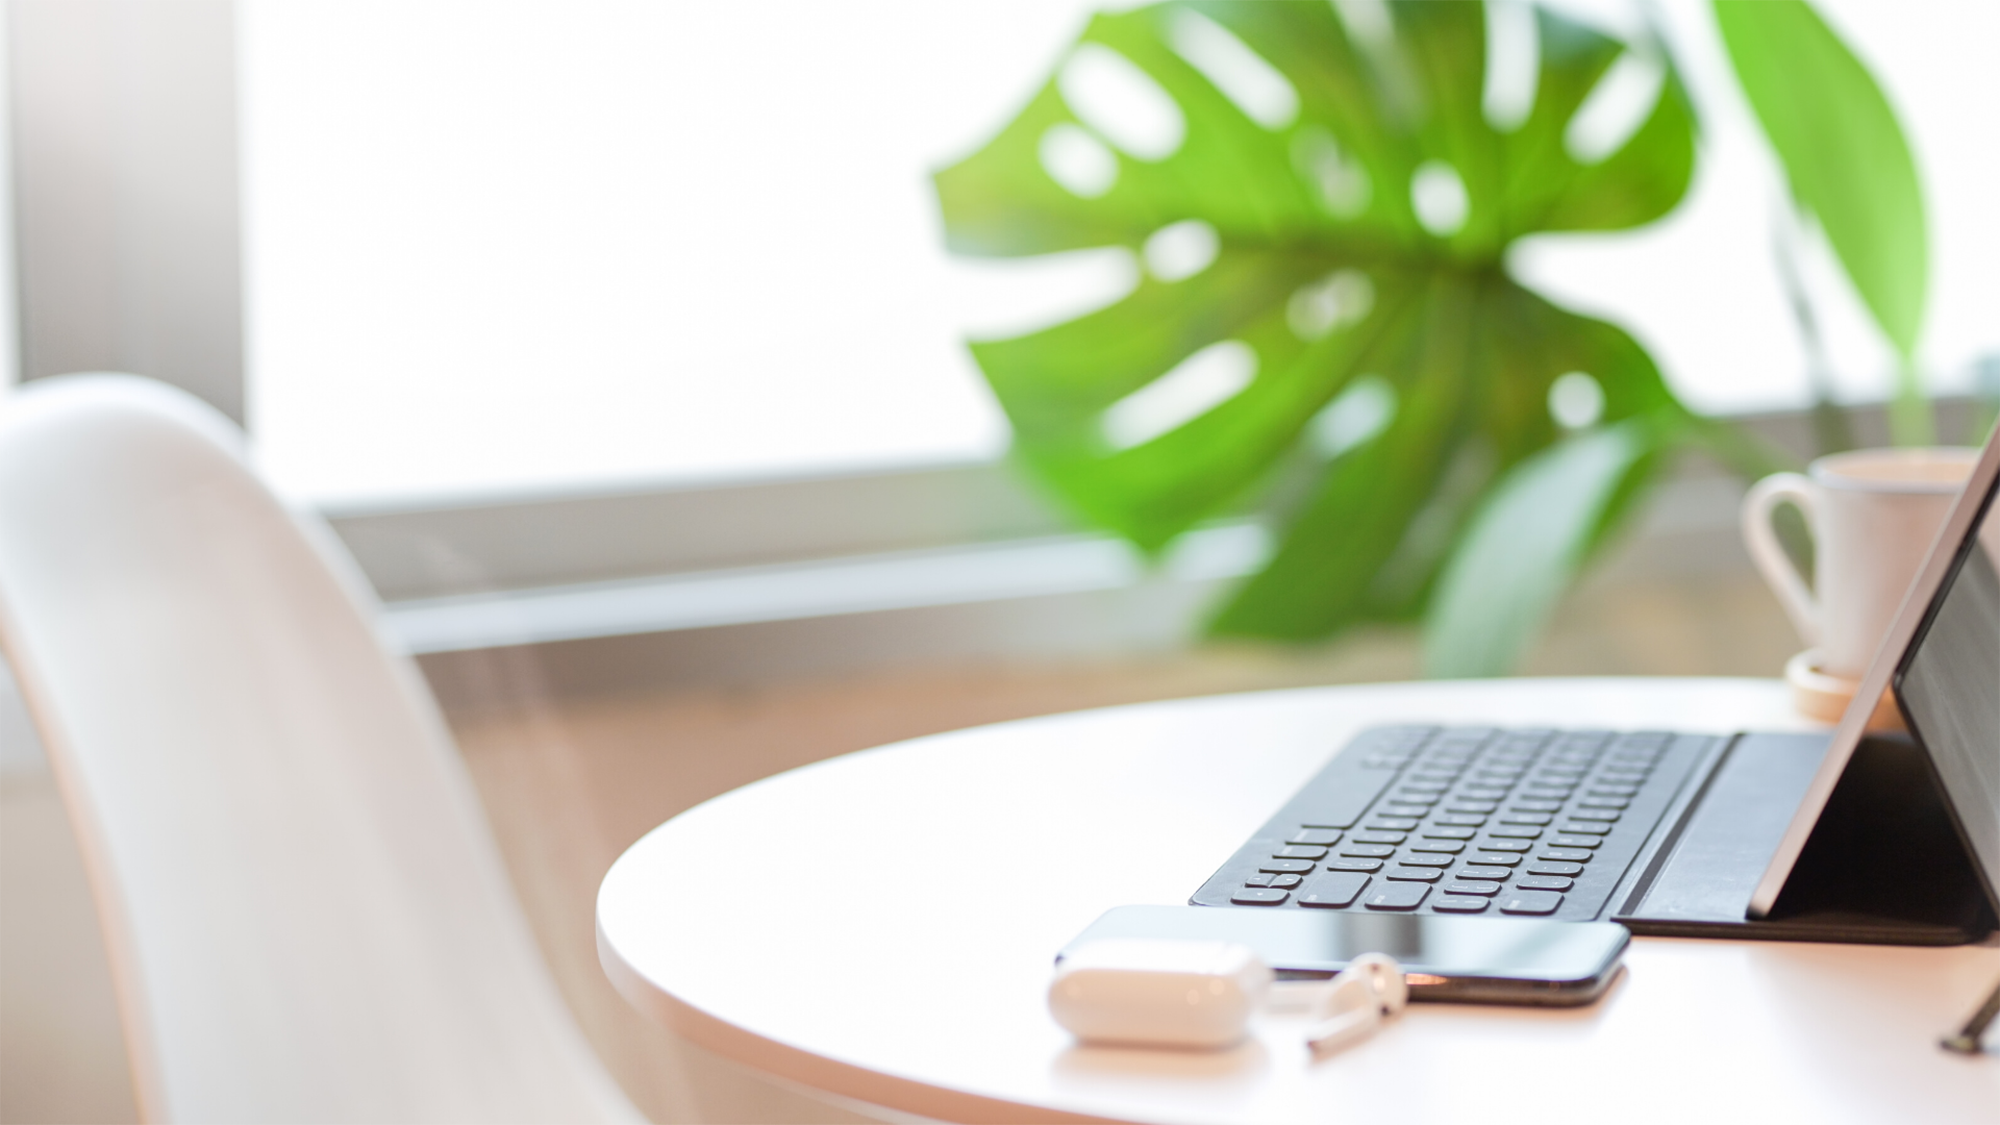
619 343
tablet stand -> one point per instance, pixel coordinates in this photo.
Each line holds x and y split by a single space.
1970 1038
1884 865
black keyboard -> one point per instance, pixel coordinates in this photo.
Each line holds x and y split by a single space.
1465 820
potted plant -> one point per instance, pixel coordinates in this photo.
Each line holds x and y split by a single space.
1326 332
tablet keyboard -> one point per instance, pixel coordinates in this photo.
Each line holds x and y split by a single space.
1464 820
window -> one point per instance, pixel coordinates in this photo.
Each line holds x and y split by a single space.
542 292
506 248
514 248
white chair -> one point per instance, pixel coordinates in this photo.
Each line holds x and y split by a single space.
307 916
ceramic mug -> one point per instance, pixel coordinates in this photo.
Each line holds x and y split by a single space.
1873 514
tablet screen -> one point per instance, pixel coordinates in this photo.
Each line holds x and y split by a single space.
1942 657
1949 686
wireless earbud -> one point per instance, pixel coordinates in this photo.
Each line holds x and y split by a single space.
1348 1008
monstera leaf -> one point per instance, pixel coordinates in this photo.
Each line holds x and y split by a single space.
1327 331
1848 164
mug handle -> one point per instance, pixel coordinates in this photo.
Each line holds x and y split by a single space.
1770 557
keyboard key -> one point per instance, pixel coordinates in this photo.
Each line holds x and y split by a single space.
1414 874
1395 896
1333 889
1547 791
1565 855
1538 819
1484 792
1493 859
1604 802
1260 880
1285 866
1460 819
1458 904
1418 790
1427 859
1259 896
1448 833
1614 790
1519 832
1551 867
1473 808
1391 824
1530 902
1482 873
1584 828
1297 852
1279 881
1605 815
1471 887
1377 838
1353 865
1545 883
1315 837
1538 804
1505 845
1405 810
1574 841
1449 847
1367 851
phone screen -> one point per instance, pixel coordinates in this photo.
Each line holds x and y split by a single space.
1492 960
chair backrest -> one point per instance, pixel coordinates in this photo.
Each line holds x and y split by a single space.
307 915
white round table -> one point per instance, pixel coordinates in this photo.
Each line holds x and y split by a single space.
882 926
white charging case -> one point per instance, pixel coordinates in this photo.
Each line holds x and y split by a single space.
1159 992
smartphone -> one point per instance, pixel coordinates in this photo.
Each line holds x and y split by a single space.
1445 959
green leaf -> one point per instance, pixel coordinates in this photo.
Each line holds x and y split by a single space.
1843 152
1324 272
1525 545
1369 543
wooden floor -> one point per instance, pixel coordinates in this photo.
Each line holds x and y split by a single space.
569 782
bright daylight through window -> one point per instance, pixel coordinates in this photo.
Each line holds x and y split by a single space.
535 247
